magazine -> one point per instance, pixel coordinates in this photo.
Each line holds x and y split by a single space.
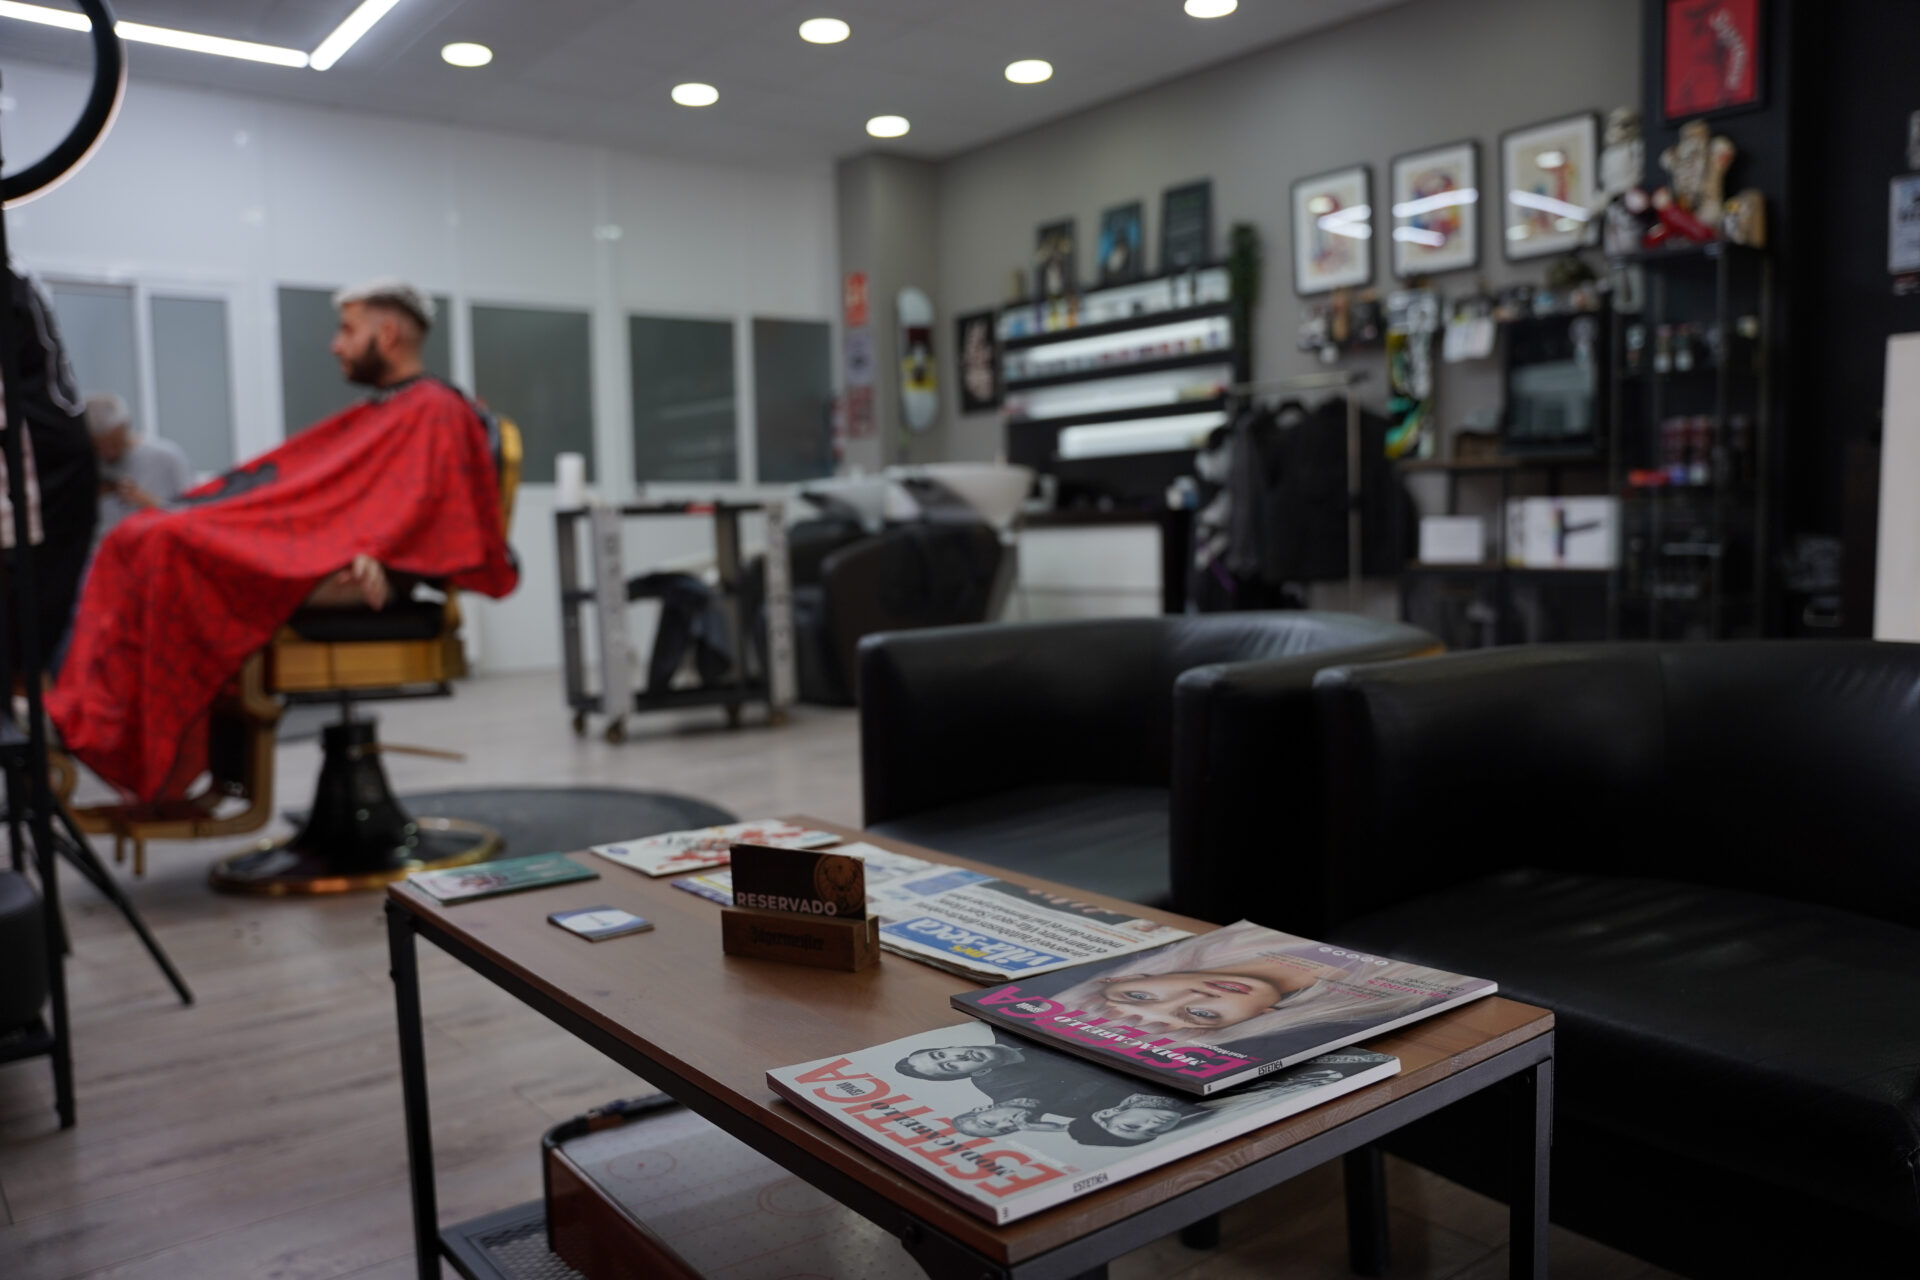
508 875
1006 1127
680 851
1221 1008
969 923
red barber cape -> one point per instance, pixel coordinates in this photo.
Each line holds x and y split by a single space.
176 600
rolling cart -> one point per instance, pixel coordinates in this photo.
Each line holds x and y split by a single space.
754 674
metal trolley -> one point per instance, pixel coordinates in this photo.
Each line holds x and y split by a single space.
615 693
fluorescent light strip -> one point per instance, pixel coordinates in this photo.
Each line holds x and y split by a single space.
348 33
1547 204
1415 235
1171 434
167 36
1427 204
1180 333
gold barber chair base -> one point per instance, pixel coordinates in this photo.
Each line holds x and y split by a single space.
279 868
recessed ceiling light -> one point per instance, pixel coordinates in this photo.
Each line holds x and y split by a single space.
824 31
1029 71
461 53
888 126
1211 8
695 94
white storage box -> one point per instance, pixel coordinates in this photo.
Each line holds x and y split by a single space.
1563 533
1453 540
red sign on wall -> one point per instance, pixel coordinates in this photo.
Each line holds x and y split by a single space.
854 299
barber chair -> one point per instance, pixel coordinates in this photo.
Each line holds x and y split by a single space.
356 834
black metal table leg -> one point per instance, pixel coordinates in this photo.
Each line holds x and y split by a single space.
1531 1094
1368 1249
405 971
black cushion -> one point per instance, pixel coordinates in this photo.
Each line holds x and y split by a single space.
1776 1039
23 953
1111 840
400 620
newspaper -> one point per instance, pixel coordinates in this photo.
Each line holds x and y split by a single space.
969 923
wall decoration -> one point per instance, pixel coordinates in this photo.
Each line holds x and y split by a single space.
1186 227
978 354
1120 244
1712 57
1548 186
1333 230
1055 271
1436 210
919 390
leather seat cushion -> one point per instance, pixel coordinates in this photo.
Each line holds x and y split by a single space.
1768 1037
23 953
400 620
1111 840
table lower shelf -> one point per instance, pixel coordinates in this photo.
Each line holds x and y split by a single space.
508 1245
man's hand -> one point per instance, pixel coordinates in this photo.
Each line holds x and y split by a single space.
362 582
134 496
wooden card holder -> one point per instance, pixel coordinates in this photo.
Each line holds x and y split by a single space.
821 942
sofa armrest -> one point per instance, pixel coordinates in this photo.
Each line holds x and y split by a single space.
1248 779
1448 769
954 713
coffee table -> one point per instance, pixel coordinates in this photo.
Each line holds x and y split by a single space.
705 1027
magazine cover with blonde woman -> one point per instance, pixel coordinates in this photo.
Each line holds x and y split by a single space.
1212 1011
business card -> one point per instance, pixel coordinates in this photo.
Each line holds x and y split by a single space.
596 924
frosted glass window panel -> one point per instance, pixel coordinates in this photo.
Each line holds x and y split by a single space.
536 367
685 413
793 399
97 328
311 385
193 379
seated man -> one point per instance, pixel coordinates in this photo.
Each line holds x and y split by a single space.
137 473
398 488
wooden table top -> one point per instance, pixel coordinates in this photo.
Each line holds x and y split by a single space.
723 1021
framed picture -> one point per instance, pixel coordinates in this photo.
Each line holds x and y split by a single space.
1711 59
1186 227
977 352
1055 272
1549 188
1120 244
1333 231
1436 210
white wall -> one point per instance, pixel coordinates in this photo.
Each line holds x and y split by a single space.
238 196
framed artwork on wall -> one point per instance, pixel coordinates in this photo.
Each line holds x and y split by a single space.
1436 210
1055 271
1711 59
1186 227
977 351
1549 188
1333 231
1120 244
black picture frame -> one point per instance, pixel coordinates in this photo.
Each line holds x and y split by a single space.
1472 215
1590 121
1302 287
1056 268
977 374
1759 54
1186 226
1121 252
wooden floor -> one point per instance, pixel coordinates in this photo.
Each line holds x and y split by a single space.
257 1134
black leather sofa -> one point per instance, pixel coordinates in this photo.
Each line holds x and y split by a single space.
1706 861
1082 751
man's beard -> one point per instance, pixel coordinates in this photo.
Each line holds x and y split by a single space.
369 368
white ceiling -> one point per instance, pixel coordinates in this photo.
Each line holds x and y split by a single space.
599 71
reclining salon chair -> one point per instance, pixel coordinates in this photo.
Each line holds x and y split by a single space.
356 835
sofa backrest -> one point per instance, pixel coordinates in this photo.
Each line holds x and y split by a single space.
1782 767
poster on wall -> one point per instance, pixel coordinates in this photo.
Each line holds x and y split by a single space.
1548 186
1120 244
1436 210
1055 272
919 388
979 359
1186 227
1333 231
1711 59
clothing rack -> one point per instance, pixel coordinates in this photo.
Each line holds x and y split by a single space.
1343 382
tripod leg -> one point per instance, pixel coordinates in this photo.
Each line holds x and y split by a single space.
81 857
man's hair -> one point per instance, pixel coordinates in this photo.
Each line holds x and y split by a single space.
106 412
395 295
1088 1132
906 1068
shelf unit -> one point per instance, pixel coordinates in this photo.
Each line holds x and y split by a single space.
1112 391
1691 402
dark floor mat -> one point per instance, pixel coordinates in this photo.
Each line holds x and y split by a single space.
559 819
